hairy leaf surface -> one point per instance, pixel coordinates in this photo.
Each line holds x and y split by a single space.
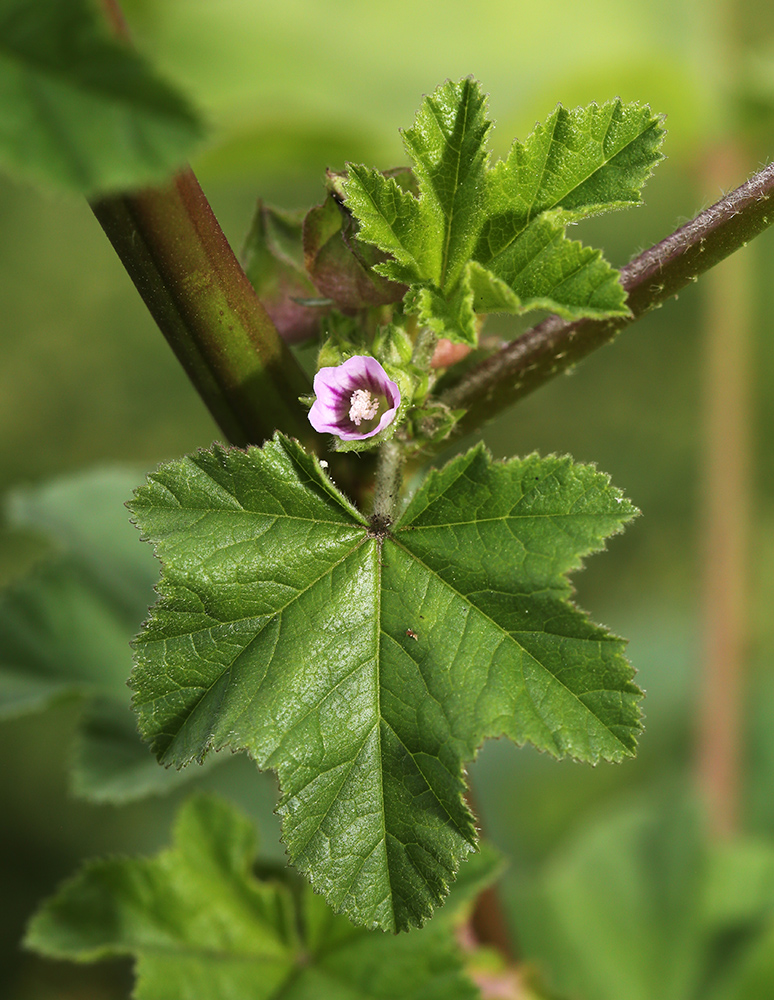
480 239
79 109
366 665
195 914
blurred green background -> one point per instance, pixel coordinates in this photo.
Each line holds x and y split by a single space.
293 88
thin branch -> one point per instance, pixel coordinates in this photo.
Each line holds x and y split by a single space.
555 345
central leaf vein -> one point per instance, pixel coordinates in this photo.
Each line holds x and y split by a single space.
351 764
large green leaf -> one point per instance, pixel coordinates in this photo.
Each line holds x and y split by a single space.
480 239
196 915
79 109
365 664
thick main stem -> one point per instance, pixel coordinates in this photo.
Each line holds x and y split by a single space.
657 274
178 257
176 254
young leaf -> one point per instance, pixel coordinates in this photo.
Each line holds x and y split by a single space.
366 664
339 264
195 914
274 262
80 110
480 239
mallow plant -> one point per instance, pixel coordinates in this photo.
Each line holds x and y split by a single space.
354 614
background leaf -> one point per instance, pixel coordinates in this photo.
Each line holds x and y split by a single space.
65 629
643 903
80 110
195 914
365 669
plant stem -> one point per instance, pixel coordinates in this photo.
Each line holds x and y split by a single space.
555 345
424 347
726 504
116 19
727 481
488 923
726 498
389 479
177 256
183 267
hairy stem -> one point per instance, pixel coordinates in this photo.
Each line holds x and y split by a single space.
424 347
389 479
555 345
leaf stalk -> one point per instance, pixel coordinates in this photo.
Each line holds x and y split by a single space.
389 480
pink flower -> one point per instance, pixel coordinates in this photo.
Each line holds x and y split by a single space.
355 400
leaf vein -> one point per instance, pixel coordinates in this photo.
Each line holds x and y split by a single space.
508 635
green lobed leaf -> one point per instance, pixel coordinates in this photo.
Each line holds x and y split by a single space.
492 239
196 914
80 110
446 145
366 665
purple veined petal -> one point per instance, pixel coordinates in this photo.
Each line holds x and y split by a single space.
335 411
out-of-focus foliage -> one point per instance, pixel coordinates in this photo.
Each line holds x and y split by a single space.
196 917
65 628
692 918
292 89
80 109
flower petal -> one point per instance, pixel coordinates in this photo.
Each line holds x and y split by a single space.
334 386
